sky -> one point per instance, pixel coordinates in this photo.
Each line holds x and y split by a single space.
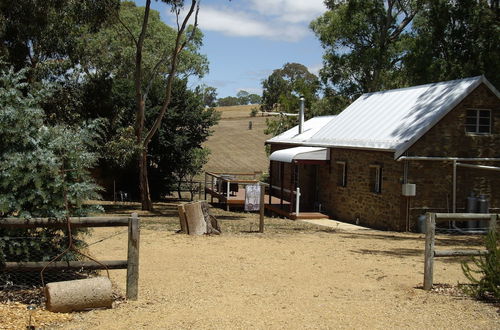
245 40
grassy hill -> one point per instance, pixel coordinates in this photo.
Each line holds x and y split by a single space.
234 147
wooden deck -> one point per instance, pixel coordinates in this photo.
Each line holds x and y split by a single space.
238 200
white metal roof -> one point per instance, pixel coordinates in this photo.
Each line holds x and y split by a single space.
391 120
311 127
300 153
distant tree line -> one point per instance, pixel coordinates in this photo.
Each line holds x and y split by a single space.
373 45
241 98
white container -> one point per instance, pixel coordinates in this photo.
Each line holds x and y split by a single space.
409 189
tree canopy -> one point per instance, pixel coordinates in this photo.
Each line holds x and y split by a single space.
382 44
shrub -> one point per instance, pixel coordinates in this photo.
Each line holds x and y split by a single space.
254 112
43 170
485 277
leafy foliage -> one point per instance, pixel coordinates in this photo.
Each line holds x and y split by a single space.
43 34
43 168
184 129
363 43
454 39
487 285
282 91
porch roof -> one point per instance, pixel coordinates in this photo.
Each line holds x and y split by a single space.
300 153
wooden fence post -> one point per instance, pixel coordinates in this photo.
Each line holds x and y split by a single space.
262 207
492 226
429 250
133 258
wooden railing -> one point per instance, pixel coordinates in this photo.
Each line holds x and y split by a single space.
131 264
430 234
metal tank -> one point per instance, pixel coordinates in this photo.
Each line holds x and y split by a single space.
483 207
472 207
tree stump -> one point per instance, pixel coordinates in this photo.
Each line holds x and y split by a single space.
195 219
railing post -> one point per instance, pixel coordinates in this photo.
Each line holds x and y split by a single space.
133 258
228 184
429 250
493 222
297 202
262 207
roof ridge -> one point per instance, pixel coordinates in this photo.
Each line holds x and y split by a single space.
439 83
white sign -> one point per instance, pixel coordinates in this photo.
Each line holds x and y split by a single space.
252 197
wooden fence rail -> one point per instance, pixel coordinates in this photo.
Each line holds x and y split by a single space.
131 264
431 253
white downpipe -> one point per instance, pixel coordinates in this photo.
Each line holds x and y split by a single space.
454 196
301 115
297 202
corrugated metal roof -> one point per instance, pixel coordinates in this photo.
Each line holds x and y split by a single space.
311 127
300 153
392 120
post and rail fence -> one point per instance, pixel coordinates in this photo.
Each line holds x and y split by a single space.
131 264
430 234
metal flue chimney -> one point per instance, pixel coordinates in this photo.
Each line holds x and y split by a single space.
301 114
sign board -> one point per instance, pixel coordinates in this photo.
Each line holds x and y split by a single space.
252 197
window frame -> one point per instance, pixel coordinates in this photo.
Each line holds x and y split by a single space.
376 184
477 117
343 181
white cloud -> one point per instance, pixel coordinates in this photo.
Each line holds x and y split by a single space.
242 24
293 11
286 20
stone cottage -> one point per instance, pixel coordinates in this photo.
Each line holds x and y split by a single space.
392 156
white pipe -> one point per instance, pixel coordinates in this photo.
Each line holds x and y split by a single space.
297 202
481 167
449 159
454 196
301 115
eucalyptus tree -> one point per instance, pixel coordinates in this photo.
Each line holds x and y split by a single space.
454 39
282 91
364 43
152 59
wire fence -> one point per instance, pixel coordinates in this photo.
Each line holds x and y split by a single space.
23 285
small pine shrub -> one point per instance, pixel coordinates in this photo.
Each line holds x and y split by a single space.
485 276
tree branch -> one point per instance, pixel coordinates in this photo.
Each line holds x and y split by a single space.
179 45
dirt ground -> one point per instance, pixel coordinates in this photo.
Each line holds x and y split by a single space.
294 276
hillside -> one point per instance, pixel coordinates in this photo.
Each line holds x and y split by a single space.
234 147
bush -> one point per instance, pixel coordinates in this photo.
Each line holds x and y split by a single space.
43 170
485 278
254 112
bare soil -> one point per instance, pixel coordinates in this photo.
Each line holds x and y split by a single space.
294 276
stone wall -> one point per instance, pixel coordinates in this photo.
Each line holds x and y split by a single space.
388 210
449 139
356 202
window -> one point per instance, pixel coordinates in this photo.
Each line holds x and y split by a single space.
478 121
341 174
376 179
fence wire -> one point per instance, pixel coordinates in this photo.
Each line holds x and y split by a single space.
25 286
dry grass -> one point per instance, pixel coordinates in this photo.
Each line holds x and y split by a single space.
234 147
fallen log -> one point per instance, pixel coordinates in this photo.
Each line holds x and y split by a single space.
77 295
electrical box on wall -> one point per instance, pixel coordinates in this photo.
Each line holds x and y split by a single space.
409 189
